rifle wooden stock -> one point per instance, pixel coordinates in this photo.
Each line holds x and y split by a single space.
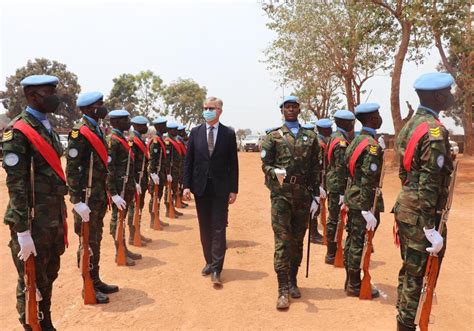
89 291
119 237
324 221
423 312
170 202
366 287
309 246
31 306
137 240
339 258
156 209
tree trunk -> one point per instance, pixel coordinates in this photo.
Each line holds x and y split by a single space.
349 94
467 124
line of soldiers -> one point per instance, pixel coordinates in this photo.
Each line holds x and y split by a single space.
302 167
100 171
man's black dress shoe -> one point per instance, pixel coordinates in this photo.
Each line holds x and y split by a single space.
206 271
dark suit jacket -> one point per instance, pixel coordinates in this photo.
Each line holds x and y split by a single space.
222 166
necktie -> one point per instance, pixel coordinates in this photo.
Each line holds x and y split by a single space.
210 140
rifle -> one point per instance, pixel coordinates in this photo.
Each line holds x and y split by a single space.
137 215
170 195
365 287
156 205
120 234
339 258
32 295
89 291
309 244
423 312
323 205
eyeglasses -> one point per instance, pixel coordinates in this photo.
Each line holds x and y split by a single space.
210 108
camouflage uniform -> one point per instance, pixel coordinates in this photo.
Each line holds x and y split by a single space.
77 170
174 167
290 202
424 192
322 141
359 196
47 229
157 165
139 159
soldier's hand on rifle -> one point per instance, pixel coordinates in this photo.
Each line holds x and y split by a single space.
169 178
314 206
119 202
187 193
155 178
83 210
322 193
27 246
341 202
435 239
281 175
138 188
370 219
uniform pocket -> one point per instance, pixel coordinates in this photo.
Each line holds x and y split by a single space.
405 215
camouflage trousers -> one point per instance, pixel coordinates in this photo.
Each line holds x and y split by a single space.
289 222
410 277
131 208
129 197
96 228
354 245
161 189
174 189
333 215
49 244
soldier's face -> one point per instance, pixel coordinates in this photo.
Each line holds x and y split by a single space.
377 120
141 128
444 98
325 131
45 99
122 123
173 132
291 111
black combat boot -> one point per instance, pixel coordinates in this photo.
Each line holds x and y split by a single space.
133 256
145 239
131 231
45 309
152 220
315 236
129 262
283 301
403 327
294 290
353 282
331 252
100 285
177 213
347 279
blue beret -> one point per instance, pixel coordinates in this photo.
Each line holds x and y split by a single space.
172 125
291 99
365 108
324 123
309 126
433 81
344 115
159 120
39 80
140 120
181 127
88 98
119 113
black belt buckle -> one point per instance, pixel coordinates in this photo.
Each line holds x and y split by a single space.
293 179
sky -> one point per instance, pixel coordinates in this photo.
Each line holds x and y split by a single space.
217 43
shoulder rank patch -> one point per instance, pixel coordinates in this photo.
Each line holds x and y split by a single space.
130 143
342 143
435 132
8 135
373 150
74 134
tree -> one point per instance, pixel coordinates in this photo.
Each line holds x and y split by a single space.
122 95
184 98
242 133
14 101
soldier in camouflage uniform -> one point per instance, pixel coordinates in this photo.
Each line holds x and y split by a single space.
45 236
292 173
118 158
183 139
364 158
158 164
425 169
324 127
78 156
174 164
336 176
140 127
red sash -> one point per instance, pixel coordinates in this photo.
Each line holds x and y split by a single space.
355 155
176 146
47 151
137 141
124 144
96 143
163 147
323 145
183 147
332 146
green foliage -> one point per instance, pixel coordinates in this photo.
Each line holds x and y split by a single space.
14 101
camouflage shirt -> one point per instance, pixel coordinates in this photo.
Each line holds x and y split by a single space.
336 169
158 159
361 192
139 159
299 155
425 186
322 159
174 158
118 158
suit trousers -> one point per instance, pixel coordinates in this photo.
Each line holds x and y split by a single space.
212 211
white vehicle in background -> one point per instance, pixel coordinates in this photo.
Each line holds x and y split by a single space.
251 143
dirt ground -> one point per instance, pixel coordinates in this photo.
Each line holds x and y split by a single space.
165 290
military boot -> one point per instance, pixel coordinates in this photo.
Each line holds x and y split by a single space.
403 327
46 323
164 224
294 290
100 285
177 213
145 239
133 256
315 237
131 231
128 261
353 282
283 301
152 219
331 252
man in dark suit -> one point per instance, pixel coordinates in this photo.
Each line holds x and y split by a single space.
211 173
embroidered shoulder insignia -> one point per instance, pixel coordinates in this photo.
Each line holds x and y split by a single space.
130 143
435 132
342 143
8 135
373 150
74 134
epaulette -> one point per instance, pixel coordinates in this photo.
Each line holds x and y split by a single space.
435 132
342 143
7 135
373 149
74 133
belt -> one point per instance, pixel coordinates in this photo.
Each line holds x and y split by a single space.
297 180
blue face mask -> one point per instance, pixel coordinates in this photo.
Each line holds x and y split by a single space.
209 115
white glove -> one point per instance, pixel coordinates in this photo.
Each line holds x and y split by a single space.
370 219
382 143
155 178
27 246
119 202
83 210
322 193
435 239
281 175
341 200
138 188
169 178
314 207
